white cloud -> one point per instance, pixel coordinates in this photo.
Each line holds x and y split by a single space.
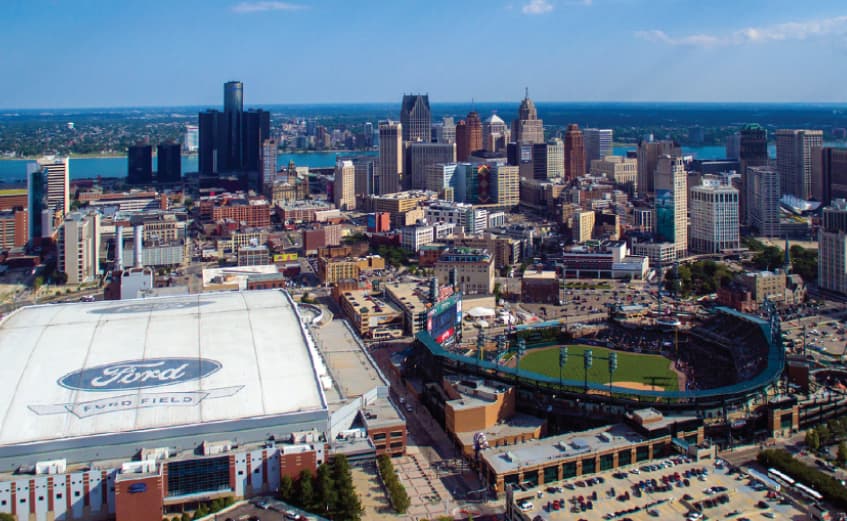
779 32
537 7
257 7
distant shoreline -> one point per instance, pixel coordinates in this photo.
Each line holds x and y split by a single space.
123 156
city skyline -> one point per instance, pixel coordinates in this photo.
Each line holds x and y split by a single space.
662 50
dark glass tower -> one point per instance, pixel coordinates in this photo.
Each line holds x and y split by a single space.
233 114
36 199
754 146
416 118
168 163
140 164
208 153
255 130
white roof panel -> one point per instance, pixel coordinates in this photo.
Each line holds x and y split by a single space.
76 370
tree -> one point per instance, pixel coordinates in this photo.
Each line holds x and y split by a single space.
812 440
286 489
7 517
347 504
841 457
325 493
823 434
305 489
185 517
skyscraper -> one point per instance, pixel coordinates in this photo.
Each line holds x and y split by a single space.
268 172
794 160
733 146
416 118
463 141
714 218
832 248
752 151
831 173
139 164
78 246
648 157
672 202
191 140
58 187
35 199
256 125
390 158
168 163
210 140
527 128
495 133
598 144
474 132
422 155
507 186
555 159
233 109
539 161
445 130
764 203
574 152
344 186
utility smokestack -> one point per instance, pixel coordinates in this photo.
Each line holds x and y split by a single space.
139 245
119 247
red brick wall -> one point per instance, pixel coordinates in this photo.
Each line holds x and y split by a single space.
292 464
383 445
139 506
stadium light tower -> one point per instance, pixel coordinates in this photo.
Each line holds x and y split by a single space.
521 351
613 366
587 362
563 360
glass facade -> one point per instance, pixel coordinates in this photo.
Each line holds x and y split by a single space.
642 453
568 470
551 474
589 466
198 476
607 461
624 457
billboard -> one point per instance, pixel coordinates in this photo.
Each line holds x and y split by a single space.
444 320
285 257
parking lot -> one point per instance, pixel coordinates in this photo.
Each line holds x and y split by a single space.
665 490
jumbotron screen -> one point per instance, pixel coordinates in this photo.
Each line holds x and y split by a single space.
444 320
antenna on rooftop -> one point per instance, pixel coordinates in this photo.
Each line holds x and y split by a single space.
526 93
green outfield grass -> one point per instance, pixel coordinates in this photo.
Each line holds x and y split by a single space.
632 367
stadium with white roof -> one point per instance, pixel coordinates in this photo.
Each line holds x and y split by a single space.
124 408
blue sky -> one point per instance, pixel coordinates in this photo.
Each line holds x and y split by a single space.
101 53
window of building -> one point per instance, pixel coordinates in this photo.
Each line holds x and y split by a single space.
589 466
642 453
551 474
396 434
396 444
624 457
379 436
196 476
607 461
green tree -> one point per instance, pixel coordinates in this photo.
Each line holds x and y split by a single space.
841 457
347 504
325 493
286 489
823 434
7 517
305 489
185 517
812 440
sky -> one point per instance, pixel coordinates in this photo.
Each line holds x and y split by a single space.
123 53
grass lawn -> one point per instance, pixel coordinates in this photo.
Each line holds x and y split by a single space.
632 367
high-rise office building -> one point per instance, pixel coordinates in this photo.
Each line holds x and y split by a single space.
441 176
574 152
210 141
269 169
344 186
256 125
764 203
231 141
168 163
416 118
794 160
390 175
365 174
555 159
539 161
495 133
422 155
507 186
444 131
830 174
598 144
733 146
671 183
468 136
649 153
233 111
191 139
753 146
78 246
832 248
527 128
36 200
139 164
714 218
58 187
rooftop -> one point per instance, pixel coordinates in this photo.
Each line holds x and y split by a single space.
79 370
510 458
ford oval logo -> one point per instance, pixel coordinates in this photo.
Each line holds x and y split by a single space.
139 374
